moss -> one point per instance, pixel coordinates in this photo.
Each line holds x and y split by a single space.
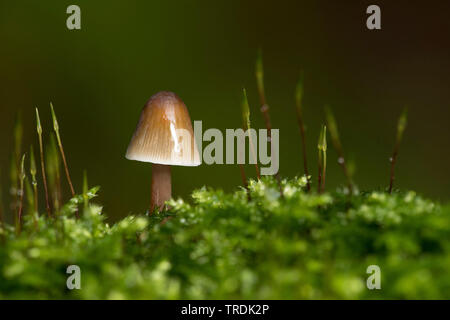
305 245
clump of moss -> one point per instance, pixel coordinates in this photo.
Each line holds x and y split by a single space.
301 245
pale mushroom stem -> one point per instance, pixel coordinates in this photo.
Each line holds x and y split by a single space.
161 186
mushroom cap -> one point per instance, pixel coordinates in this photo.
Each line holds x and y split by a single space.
164 133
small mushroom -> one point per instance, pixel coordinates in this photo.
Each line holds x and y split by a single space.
164 137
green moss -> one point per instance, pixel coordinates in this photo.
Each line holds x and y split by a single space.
222 246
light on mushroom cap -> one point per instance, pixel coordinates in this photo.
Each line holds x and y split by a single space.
164 133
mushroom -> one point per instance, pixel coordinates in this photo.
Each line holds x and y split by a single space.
164 137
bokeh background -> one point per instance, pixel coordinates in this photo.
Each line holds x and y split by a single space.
99 78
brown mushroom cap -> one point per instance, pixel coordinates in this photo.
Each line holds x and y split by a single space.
164 133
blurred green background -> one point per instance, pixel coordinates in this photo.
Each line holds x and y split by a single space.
99 78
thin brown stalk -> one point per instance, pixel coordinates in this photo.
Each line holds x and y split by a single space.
393 162
322 157
61 149
246 127
324 171
244 181
44 176
14 184
401 126
299 112
305 161
85 191
33 172
21 193
53 170
36 210
334 133
259 72
261 92
63 155
319 175
58 186
66 168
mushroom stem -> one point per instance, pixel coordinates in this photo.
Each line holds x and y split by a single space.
161 186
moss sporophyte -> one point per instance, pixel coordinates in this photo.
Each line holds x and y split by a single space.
300 121
259 72
41 149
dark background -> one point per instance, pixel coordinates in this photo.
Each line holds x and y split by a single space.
99 78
